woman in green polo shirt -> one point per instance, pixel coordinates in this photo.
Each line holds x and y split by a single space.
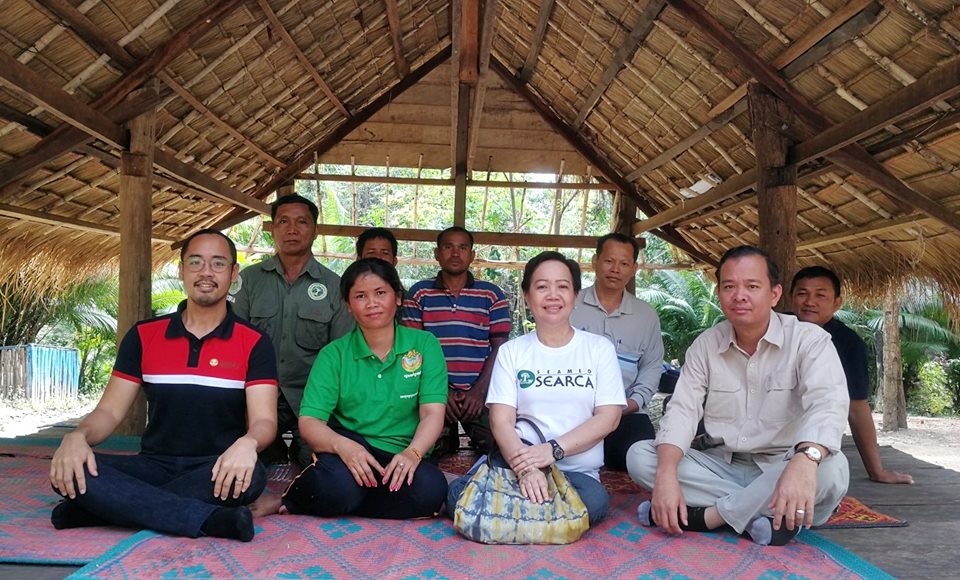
373 406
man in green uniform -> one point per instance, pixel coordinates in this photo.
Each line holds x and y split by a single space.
295 300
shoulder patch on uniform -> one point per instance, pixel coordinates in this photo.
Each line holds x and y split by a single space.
317 291
236 286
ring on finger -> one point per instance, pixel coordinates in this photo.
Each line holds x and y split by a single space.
400 464
801 512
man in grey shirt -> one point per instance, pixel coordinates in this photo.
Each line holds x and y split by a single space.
296 301
607 309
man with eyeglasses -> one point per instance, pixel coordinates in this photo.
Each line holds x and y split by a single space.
295 300
210 380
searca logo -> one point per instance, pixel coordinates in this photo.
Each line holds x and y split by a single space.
526 378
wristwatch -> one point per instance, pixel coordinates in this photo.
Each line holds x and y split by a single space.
812 453
557 450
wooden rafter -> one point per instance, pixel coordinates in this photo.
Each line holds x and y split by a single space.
393 180
291 44
66 137
307 155
624 53
668 234
488 30
863 232
543 18
50 219
852 157
97 40
393 19
493 238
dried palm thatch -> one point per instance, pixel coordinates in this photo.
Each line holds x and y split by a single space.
638 90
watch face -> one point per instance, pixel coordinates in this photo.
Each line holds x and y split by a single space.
557 450
813 453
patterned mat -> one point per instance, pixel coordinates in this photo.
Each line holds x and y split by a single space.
853 513
302 546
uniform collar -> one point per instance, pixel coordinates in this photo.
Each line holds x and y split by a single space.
438 281
176 329
590 297
312 268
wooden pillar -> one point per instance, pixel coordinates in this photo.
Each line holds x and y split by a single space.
625 217
776 182
894 401
136 262
460 163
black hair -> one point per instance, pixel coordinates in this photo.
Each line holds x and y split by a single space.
817 272
375 266
294 198
209 232
773 271
621 238
454 229
549 256
374 233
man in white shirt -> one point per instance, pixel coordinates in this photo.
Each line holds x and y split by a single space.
773 389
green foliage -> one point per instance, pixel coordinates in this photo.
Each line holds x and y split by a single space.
687 305
931 394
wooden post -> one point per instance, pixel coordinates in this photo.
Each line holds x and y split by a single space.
136 262
894 401
776 182
460 161
625 217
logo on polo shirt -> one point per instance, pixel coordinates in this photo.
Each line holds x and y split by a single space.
412 361
526 378
317 291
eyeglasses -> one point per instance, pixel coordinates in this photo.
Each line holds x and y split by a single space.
196 264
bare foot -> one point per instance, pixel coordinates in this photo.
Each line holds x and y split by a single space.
266 505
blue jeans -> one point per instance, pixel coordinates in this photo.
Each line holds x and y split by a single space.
327 488
591 491
168 494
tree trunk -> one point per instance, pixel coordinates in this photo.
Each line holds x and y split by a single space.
894 403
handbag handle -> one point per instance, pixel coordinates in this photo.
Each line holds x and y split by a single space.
535 429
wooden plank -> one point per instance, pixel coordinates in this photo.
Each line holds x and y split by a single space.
491 238
394 180
941 83
853 157
861 233
469 41
460 161
575 140
729 188
633 41
278 28
489 23
50 219
543 18
65 138
20 78
201 180
393 20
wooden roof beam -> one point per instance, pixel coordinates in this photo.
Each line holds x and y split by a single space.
860 233
488 24
852 157
821 39
543 18
278 27
626 50
66 137
492 238
393 19
95 38
668 234
50 219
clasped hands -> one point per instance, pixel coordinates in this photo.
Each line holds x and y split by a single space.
368 472
528 463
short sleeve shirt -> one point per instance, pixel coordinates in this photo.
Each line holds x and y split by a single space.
195 387
378 400
464 324
853 356
301 318
558 388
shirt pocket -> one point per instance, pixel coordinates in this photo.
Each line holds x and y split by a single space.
723 402
780 404
262 315
313 327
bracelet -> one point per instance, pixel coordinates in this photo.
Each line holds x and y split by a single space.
416 452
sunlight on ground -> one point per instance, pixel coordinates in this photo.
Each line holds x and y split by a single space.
19 418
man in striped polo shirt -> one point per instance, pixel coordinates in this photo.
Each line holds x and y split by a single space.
471 318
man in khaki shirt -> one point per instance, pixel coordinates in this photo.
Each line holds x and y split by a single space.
773 390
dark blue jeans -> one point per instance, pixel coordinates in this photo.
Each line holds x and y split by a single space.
168 494
591 492
327 488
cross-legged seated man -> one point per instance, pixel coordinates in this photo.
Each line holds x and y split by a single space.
210 380
772 389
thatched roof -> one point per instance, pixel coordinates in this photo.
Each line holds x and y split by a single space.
251 91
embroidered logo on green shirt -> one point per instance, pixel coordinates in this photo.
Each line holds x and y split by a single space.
412 361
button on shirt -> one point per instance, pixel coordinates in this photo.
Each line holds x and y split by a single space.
301 318
634 330
791 390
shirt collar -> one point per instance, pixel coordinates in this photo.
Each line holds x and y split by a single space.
360 348
313 267
773 335
590 297
176 329
438 281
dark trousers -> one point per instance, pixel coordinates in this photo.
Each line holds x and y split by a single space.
327 488
168 494
632 428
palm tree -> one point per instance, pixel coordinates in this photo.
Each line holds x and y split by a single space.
687 305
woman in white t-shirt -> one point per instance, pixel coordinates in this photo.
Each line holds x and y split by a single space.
565 381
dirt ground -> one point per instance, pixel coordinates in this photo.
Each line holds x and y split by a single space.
932 439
